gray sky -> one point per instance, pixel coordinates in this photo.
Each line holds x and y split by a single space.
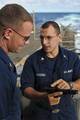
46 5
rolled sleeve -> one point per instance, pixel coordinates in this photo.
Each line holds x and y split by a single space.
27 77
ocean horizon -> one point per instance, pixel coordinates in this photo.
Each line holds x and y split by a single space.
63 18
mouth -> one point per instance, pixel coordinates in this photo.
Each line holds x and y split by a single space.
46 47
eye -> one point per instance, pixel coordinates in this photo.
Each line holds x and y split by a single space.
41 37
49 37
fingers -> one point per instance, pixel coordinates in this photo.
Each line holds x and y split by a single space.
56 83
56 94
54 100
61 84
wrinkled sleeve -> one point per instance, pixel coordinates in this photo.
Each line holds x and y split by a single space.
27 76
76 69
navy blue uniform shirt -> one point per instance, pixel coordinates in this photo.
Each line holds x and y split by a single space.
9 93
39 72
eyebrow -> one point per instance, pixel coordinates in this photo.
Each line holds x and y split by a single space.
41 36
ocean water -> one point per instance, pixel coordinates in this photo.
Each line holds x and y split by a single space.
65 19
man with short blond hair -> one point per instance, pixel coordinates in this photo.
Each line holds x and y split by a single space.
15 29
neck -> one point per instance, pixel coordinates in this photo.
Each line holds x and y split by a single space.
53 54
3 45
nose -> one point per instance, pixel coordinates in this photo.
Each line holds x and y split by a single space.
44 41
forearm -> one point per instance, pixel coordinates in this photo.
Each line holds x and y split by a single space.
34 94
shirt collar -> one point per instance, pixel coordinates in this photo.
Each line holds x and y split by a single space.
62 52
5 58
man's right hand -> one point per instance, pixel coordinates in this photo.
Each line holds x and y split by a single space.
54 98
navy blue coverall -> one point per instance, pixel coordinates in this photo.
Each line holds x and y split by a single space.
9 92
39 72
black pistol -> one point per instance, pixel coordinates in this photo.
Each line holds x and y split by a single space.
65 91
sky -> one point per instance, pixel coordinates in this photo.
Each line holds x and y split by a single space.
46 5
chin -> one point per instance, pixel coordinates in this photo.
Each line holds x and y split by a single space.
19 49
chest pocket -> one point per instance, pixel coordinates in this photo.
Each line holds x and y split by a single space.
67 74
42 81
63 70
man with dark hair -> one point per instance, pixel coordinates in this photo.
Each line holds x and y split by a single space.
49 77
15 28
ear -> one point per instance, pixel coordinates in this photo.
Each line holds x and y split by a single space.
8 33
60 38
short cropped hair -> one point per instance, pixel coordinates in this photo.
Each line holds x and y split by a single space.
14 15
51 23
